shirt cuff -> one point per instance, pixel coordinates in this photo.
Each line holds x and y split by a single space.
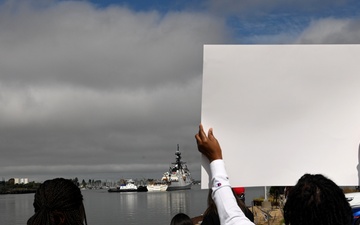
219 176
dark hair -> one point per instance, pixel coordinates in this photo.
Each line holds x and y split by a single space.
211 209
58 201
181 219
317 200
211 204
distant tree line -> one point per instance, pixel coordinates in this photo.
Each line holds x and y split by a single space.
9 187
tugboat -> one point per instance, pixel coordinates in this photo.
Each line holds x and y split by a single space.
129 187
178 177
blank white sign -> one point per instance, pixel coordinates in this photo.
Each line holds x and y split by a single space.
280 111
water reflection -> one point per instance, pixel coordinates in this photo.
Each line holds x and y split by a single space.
16 209
128 203
115 208
178 201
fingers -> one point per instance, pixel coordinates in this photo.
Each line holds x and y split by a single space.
211 134
200 136
198 139
197 136
202 132
207 144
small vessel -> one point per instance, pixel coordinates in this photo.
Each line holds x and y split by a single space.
142 188
157 186
178 177
128 187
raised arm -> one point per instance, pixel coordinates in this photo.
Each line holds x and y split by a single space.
228 209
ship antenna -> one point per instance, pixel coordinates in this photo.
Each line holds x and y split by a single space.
178 158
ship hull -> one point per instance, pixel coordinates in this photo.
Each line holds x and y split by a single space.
122 190
142 189
157 187
177 187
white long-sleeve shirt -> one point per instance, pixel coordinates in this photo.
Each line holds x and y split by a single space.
227 207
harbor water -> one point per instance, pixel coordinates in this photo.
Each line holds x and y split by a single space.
130 208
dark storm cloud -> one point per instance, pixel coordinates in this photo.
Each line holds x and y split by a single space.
93 88
108 90
74 44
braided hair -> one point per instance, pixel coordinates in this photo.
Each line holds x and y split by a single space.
317 200
181 219
58 201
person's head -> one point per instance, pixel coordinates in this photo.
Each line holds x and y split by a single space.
58 201
317 200
181 219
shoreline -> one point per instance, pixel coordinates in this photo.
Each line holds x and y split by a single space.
18 191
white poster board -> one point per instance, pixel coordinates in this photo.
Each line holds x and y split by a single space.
280 111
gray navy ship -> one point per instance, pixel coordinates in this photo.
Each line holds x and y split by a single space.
178 177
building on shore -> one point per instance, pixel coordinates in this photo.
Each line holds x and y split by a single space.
21 180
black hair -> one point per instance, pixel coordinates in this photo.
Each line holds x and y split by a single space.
58 201
181 219
212 209
317 200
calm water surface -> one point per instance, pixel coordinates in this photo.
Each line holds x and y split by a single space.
15 209
142 208
104 208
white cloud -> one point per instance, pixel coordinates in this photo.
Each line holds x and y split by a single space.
331 31
259 7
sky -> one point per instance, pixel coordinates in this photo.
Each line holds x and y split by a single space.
107 89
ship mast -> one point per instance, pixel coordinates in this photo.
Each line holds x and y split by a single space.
178 162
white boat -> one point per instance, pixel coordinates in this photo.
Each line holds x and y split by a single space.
128 187
157 186
178 177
